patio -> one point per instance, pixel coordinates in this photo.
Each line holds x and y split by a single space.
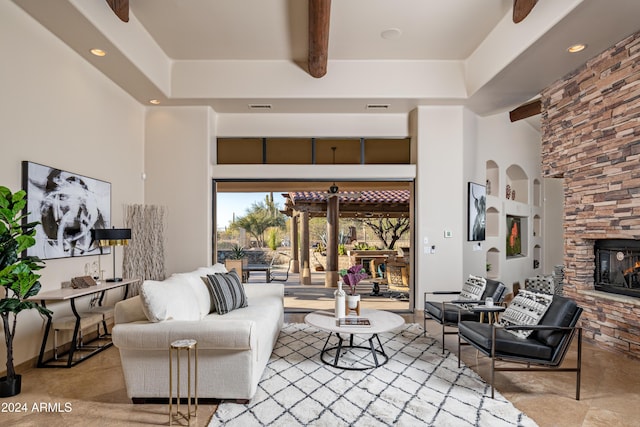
304 298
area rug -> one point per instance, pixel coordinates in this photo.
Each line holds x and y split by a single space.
419 386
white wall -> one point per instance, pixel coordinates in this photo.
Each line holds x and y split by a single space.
506 144
440 144
59 111
177 157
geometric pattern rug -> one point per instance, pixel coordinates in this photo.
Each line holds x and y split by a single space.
418 386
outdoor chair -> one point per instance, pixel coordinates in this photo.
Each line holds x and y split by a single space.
447 313
545 348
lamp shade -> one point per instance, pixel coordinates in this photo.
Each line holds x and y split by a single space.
112 236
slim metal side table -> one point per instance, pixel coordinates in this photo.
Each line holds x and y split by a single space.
177 347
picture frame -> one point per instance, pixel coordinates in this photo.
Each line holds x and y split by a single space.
68 206
476 212
514 236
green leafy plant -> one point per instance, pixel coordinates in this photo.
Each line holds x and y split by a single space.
17 272
272 239
237 252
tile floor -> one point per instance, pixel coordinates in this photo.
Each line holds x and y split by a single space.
96 394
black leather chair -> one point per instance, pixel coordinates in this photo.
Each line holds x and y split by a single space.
545 348
448 313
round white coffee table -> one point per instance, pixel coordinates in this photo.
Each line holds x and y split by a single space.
380 321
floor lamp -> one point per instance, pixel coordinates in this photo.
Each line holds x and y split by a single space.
112 237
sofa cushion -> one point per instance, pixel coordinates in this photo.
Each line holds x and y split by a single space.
227 291
214 269
172 298
200 286
527 308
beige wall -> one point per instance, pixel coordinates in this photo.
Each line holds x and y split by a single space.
57 110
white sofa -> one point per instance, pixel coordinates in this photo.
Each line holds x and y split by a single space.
233 348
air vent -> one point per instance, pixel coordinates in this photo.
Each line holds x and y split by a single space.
260 106
377 106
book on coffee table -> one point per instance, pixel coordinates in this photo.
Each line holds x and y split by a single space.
354 321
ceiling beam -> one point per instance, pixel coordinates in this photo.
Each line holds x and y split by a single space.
319 16
521 9
524 111
120 8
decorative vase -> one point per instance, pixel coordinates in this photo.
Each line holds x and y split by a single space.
353 303
10 388
339 309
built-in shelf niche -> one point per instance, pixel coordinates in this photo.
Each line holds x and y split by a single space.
537 224
493 222
493 263
537 192
493 178
518 182
537 256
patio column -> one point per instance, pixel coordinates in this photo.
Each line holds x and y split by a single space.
331 275
305 276
295 265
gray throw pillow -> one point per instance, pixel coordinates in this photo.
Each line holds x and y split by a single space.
227 291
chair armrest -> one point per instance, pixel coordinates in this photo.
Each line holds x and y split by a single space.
540 328
485 309
465 301
444 292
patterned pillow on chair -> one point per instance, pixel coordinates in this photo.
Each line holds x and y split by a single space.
527 308
472 290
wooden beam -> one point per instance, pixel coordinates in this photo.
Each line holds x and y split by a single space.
522 8
526 110
120 8
319 14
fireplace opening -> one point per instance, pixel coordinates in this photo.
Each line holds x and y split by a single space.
618 266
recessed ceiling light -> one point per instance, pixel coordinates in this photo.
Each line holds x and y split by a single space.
391 34
98 52
576 48
154 101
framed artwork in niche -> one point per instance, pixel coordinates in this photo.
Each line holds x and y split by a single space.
514 236
68 206
476 212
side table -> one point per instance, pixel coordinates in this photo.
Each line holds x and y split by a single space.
492 312
178 346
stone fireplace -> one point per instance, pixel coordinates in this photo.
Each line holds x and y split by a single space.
591 138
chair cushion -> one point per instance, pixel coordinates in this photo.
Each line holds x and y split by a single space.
473 289
434 308
479 335
527 308
227 291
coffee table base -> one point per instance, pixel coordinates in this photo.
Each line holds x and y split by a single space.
375 352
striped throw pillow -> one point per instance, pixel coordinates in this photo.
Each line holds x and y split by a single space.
227 291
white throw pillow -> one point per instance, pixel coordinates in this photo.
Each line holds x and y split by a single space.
169 299
215 268
200 289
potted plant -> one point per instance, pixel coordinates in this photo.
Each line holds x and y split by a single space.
237 252
17 276
351 277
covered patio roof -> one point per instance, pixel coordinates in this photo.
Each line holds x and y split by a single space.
353 204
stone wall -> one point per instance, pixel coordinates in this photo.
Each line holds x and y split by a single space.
591 137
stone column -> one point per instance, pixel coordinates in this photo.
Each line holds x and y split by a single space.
295 258
331 275
305 275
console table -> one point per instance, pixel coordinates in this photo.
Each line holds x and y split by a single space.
71 294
